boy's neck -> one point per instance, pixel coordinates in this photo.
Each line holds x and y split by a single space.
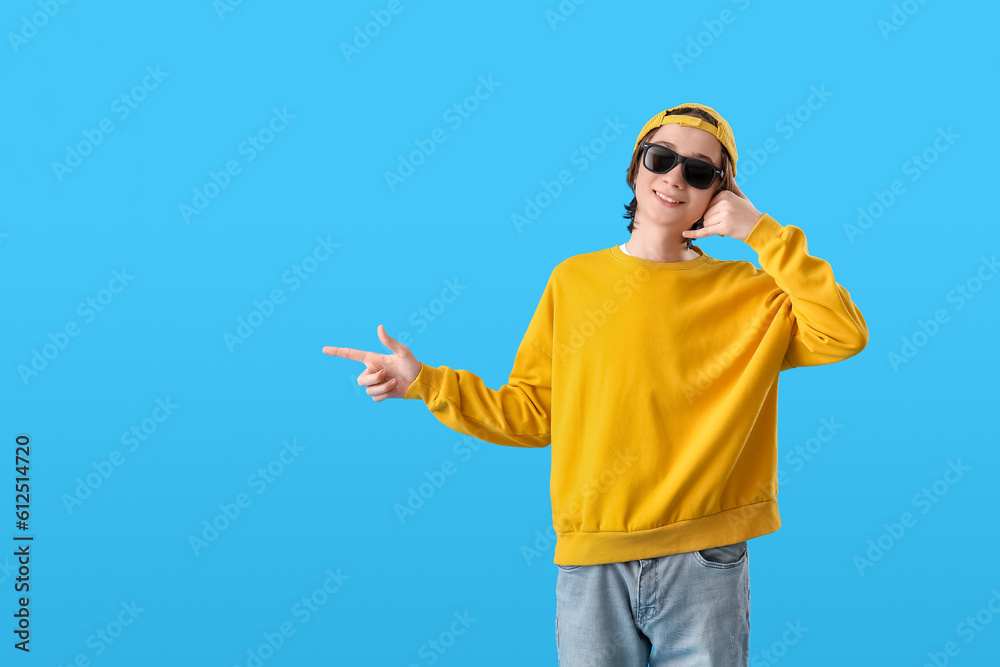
680 253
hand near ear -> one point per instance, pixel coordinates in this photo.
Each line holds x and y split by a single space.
730 213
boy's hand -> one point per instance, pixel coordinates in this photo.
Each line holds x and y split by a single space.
385 375
728 214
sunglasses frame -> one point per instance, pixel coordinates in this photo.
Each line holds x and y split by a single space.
682 161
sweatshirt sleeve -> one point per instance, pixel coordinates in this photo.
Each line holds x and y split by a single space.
828 326
519 413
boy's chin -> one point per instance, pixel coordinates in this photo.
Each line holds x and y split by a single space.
680 224
674 219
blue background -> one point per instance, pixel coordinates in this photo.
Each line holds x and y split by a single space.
351 114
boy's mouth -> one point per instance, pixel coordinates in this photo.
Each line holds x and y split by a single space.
670 201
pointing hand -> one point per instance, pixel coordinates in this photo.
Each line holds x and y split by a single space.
385 375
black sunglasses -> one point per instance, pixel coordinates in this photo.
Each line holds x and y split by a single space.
699 174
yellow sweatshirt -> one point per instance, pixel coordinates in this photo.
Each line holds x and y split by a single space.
656 383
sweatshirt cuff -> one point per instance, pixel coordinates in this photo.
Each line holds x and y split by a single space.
427 384
766 230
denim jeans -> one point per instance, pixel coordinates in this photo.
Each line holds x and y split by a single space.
683 610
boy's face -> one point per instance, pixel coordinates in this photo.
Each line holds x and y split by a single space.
650 208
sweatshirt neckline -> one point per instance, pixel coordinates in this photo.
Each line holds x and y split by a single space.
619 256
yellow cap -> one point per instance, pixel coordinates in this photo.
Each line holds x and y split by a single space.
723 132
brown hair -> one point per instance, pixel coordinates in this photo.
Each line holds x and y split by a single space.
633 168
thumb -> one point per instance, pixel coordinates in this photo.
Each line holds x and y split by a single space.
389 341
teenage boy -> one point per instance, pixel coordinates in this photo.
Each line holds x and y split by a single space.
652 370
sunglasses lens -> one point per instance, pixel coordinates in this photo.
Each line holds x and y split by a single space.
659 160
699 174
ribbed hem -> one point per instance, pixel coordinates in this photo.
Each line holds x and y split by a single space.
767 229
721 528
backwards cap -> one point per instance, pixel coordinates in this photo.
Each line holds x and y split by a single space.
723 132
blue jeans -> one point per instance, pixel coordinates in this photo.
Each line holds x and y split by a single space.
683 610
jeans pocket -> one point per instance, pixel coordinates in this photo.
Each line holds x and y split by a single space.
728 556
568 568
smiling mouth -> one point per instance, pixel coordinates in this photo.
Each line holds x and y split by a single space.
669 200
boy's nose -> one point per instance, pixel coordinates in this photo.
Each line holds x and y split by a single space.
674 178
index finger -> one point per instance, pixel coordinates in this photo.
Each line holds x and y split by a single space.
346 353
